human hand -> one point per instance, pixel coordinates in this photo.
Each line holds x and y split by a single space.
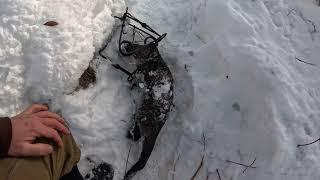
35 122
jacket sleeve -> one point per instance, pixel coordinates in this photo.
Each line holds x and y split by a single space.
5 136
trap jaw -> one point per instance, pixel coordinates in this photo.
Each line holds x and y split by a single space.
147 35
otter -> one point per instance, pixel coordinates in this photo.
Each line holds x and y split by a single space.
152 84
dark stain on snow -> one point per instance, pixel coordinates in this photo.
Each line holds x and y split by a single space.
236 107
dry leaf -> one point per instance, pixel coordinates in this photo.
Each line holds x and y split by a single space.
51 23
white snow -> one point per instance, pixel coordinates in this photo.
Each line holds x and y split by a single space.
237 82
39 62
161 89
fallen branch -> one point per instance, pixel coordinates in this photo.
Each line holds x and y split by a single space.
202 158
299 145
306 62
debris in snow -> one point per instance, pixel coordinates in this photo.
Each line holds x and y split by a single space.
87 78
51 23
141 85
152 73
249 165
161 89
202 158
236 107
218 173
306 62
187 67
246 166
174 167
300 145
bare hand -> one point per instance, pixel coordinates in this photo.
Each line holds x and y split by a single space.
35 122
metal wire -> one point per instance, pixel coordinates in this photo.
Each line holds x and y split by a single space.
145 33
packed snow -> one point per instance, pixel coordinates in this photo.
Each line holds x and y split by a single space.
246 83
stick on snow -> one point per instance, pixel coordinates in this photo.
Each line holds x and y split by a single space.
247 166
218 174
202 158
305 62
299 145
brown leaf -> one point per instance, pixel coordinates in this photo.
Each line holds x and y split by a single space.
50 23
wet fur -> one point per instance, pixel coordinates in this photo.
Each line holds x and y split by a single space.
154 83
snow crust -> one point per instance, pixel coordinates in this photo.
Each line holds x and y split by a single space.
237 82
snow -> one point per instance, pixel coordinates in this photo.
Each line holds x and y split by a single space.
161 89
237 82
40 62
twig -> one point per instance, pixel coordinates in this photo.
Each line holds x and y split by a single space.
200 165
313 25
299 145
308 21
250 165
127 159
202 158
174 166
241 164
305 62
218 174
291 10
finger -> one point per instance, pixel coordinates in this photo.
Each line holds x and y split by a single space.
50 133
48 114
37 149
34 108
54 123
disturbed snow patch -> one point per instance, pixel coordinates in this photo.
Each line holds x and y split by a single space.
38 62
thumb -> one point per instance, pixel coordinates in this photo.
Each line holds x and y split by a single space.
38 149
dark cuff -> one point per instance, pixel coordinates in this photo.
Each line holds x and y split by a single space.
5 136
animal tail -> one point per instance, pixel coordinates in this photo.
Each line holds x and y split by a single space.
147 148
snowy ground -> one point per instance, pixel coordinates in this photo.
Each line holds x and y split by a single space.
238 82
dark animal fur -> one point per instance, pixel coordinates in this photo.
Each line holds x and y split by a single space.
88 77
153 81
